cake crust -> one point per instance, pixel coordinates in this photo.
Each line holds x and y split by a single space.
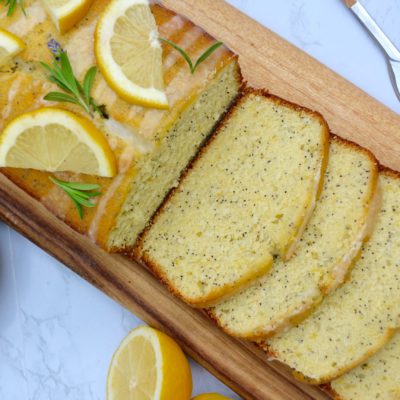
220 293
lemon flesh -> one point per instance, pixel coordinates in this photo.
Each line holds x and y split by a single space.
10 45
129 53
149 365
67 13
210 396
51 139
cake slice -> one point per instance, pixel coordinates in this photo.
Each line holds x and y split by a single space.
340 223
359 318
376 379
246 198
153 147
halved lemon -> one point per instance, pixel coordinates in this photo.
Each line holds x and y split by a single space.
210 396
129 53
149 365
10 45
67 13
52 139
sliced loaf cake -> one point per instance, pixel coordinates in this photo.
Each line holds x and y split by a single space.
359 318
341 221
245 198
376 379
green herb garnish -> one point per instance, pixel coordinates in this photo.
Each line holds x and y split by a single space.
62 75
12 5
80 193
186 56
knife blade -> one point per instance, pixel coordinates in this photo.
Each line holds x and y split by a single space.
392 53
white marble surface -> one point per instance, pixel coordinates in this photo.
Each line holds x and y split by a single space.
57 333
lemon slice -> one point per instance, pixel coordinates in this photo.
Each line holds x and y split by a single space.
149 365
66 13
10 45
129 53
52 139
210 396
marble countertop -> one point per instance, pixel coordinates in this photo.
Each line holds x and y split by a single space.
57 332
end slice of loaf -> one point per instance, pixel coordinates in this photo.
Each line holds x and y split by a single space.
359 318
340 223
376 379
245 198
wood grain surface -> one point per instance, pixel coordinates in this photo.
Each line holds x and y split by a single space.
350 3
269 62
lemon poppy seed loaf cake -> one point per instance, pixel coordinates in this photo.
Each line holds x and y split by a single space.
332 239
359 318
246 198
152 146
208 183
376 379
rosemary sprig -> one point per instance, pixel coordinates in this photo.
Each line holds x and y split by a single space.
12 5
62 75
193 66
80 193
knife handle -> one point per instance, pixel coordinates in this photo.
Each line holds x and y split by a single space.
350 3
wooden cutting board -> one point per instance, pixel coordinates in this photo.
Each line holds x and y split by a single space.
269 62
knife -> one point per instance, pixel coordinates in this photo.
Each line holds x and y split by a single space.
393 54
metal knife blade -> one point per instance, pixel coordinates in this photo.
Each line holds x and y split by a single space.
388 47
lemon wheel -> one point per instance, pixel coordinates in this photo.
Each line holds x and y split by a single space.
67 13
10 46
210 396
52 139
129 53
